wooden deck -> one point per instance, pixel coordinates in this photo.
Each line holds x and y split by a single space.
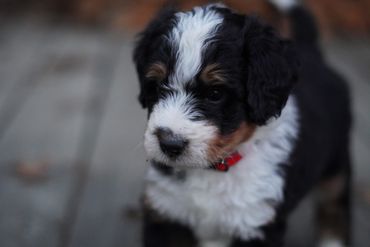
71 155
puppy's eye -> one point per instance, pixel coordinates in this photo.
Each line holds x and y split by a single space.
214 95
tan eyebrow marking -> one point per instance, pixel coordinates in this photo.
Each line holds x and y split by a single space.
157 71
212 74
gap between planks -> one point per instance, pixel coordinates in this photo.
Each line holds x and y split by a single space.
94 114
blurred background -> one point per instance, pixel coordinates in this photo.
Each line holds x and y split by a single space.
71 156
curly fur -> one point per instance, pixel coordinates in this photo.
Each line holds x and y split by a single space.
294 110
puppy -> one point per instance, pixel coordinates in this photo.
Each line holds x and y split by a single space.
237 132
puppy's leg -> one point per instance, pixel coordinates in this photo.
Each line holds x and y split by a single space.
333 214
274 234
160 232
216 243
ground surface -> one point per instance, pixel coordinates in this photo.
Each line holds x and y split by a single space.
71 155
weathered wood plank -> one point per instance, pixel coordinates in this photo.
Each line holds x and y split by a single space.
116 175
103 77
46 130
20 46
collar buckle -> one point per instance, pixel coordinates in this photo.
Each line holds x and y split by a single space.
227 162
221 166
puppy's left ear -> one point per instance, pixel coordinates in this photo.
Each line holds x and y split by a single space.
149 41
272 66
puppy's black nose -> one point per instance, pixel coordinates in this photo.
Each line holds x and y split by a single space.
171 144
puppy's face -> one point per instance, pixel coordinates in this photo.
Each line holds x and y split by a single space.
209 77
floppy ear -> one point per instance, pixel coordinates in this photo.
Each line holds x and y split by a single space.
149 41
272 71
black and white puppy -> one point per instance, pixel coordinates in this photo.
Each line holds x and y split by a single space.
237 134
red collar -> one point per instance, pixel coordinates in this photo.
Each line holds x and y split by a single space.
227 162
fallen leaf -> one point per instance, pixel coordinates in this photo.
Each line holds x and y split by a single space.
32 171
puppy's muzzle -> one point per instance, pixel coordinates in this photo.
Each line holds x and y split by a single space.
171 144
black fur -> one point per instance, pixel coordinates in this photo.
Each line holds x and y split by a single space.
151 47
261 71
272 71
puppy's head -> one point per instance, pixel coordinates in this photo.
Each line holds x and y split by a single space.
209 77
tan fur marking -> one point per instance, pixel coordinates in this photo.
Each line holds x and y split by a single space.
223 145
157 71
212 74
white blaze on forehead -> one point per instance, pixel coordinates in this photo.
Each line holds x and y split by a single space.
192 33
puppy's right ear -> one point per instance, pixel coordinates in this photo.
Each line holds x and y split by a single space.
272 70
148 42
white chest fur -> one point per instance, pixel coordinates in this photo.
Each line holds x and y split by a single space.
238 202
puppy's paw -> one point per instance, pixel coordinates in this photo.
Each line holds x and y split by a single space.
331 242
215 243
